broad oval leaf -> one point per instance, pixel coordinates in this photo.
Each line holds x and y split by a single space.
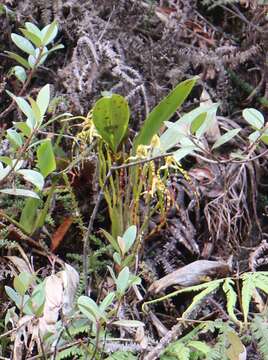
14 138
29 214
122 280
34 29
23 44
129 237
163 112
19 72
111 117
18 58
23 106
181 153
89 308
107 301
254 136
45 158
198 122
13 295
49 32
225 138
253 117
32 37
22 282
43 99
33 177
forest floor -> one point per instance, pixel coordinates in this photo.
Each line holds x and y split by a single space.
195 228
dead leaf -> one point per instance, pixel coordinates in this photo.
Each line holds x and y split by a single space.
70 280
213 133
59 234
237 350
192 274
20 264
53 304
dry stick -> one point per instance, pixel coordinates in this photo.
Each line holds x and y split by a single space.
170 336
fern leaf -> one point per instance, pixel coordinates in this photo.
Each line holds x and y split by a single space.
260 333
73 352
248 287
211 286
182 291
122 355
176 350
231 297
200 346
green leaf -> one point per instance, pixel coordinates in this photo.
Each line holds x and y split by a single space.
14 138
49 32
24 107
22 43
111 240
55 48
200 346
6 160
43 99
89 308
33 177
248 287
128 323
181 153
36 60
254 118
122 280
225 138
163 112
13 295
36 111
231 299
38 299
32 37
198 122
23 127
117 258
122 355
18 58
29 214
211 286
33 29
129 237
179 129
254 136
107 301
22 282
112 273
45 158
111 117
20 192
19 72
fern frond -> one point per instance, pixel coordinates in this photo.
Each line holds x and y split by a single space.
259 330
73 352
231 297
251 281
122 355
248 287
211 287
176 350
